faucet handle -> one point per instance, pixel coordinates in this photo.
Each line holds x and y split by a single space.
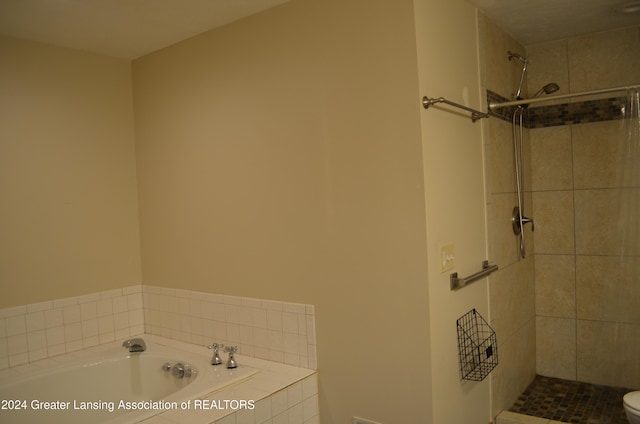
526 220
215 359
180 370
215 346
231 362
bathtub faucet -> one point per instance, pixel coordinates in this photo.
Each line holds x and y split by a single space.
231 362
135 345
215 359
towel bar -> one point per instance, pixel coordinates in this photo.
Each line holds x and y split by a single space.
475 115
457 283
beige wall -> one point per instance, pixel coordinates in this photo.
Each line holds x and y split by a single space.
285 156
68 215
586 305
455 197
280 157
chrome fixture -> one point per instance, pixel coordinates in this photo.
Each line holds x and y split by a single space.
475 114
215 359
518 220
457 283
494 105
547 89
512 55
135 345
552 87
517 127
231 362
180 370
525 61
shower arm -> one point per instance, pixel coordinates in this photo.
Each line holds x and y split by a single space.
494 105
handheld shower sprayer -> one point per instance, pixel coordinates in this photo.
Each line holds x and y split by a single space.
552 87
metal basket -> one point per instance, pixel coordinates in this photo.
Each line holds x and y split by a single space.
477 346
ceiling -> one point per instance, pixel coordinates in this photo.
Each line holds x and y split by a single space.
120 28
133 28
540 21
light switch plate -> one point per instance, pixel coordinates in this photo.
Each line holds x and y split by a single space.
447 257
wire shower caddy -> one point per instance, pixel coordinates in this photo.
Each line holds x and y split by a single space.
477 346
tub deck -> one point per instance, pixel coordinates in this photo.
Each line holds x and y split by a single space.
273 377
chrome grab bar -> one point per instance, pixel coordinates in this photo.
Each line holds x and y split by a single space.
457 283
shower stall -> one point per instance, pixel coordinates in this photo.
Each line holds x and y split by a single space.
566 301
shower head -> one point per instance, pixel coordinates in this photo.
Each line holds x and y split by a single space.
511 55
552 87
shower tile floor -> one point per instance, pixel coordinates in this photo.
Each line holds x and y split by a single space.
572 402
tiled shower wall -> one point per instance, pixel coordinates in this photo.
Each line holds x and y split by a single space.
542 306
587 310
277 331
511 292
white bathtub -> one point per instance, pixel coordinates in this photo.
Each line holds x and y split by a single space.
111 386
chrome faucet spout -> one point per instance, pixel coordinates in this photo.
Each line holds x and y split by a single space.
135 345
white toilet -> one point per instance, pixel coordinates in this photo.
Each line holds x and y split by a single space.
632 407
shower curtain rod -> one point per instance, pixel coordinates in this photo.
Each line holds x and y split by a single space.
494 105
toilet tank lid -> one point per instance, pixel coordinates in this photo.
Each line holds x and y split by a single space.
632 399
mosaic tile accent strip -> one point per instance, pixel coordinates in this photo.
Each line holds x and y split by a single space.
578 113
572 402
563 114
504 113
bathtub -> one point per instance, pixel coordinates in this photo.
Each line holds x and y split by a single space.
111 385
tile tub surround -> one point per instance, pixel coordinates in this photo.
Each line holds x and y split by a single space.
281 393
37 331
276 331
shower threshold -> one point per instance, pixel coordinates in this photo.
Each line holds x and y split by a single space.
554 400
